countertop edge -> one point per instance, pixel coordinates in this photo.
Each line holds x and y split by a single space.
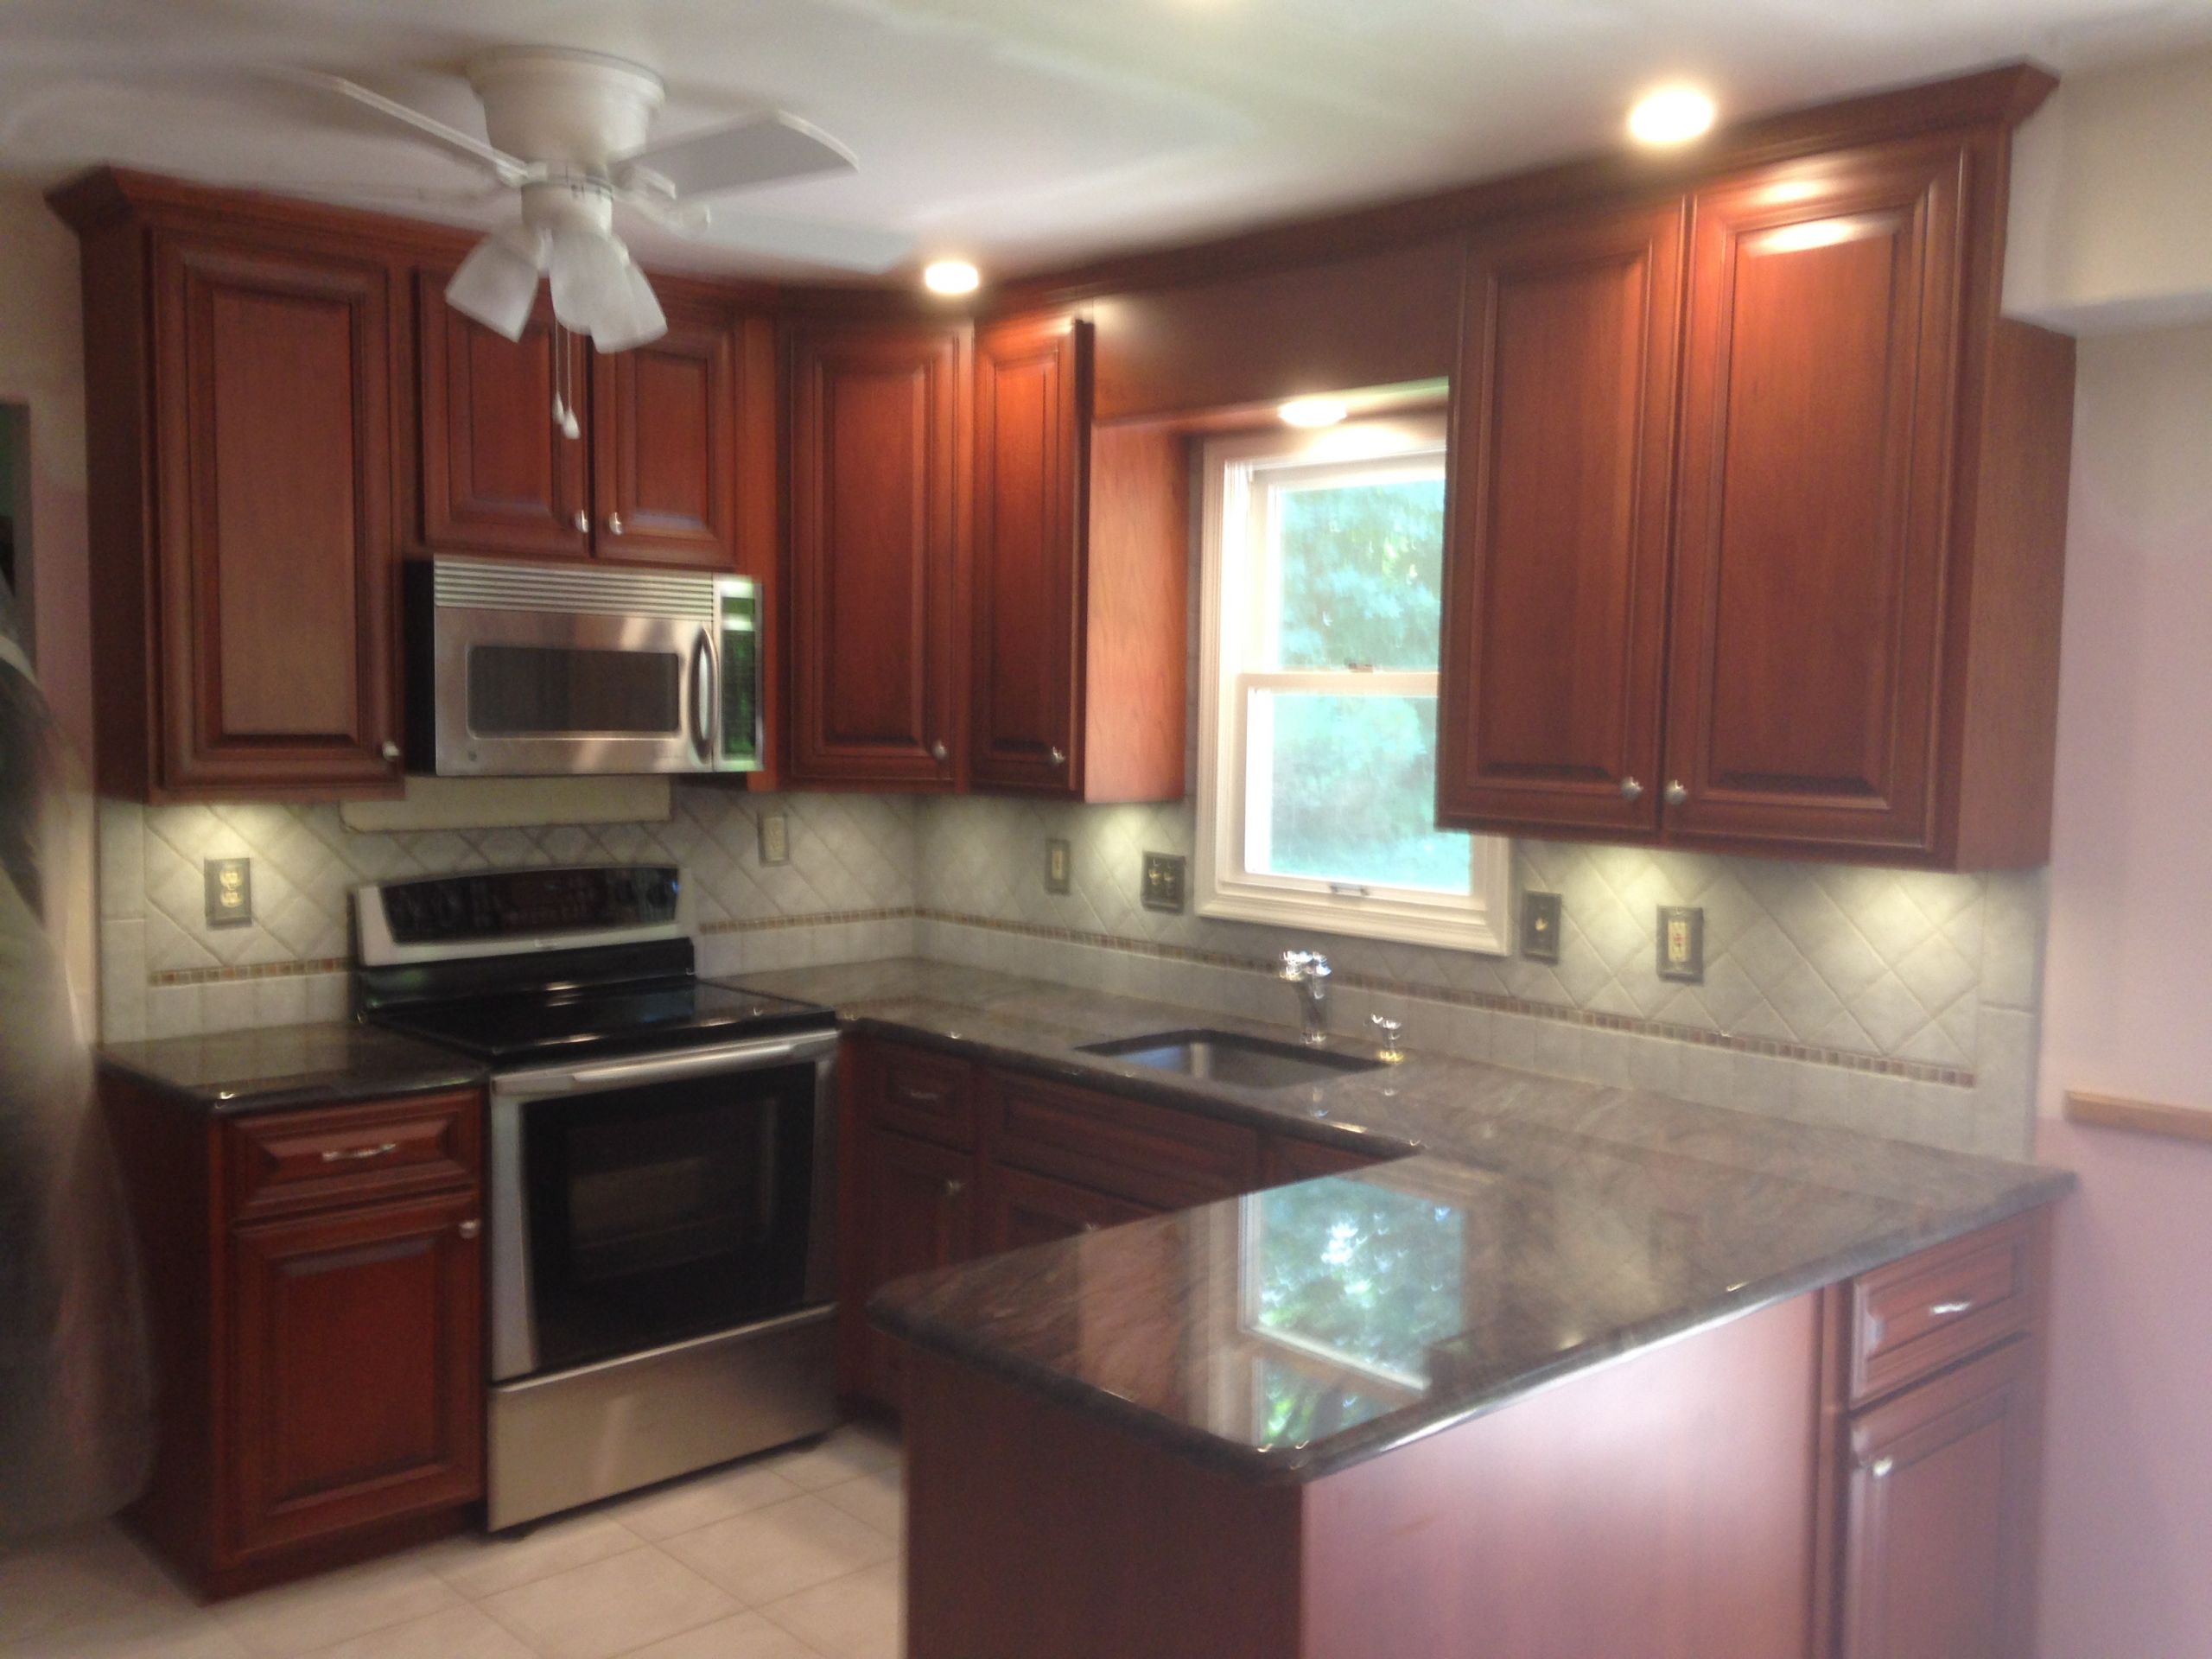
1297 1466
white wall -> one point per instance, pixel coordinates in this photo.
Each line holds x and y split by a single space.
2112 200
2129 981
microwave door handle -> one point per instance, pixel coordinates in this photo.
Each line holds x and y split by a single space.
702 695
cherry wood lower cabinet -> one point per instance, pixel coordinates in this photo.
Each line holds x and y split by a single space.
315 1285
946 1159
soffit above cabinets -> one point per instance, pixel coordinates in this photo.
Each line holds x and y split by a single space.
1022 133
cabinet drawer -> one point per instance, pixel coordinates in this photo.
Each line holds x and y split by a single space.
347 1154
925 1094
1911 1318
1129 1148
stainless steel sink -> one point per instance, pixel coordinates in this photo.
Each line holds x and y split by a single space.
1229 1057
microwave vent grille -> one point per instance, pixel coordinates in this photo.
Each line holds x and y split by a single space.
465 585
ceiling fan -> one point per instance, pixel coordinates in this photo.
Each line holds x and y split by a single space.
569 130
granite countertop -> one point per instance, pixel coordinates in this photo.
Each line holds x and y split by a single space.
1533 1227
279 1066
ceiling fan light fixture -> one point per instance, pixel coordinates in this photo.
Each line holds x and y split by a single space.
599 291
636 321
497 284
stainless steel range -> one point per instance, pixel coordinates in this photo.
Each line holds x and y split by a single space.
661 1174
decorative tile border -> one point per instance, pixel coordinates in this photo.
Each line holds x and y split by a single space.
820 918
248 971
1494 1002
1842 1060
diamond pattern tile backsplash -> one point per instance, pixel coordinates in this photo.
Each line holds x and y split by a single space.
1902 1001
848 890
1890 963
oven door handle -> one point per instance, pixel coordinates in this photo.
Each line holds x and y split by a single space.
661 1068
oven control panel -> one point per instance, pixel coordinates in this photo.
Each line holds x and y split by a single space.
490 904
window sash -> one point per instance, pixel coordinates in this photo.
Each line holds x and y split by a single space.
1240 579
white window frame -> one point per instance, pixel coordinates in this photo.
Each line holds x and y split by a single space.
1226 888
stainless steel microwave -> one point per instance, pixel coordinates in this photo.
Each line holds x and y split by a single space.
536 670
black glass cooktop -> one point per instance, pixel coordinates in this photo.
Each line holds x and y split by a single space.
674 1012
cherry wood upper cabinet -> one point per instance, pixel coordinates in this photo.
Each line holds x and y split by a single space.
1031 394
1868 491
271 669
878 445
1080 573
1555 592
664 418
1822 379
497 474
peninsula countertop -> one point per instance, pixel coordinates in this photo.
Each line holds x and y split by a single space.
1527 1228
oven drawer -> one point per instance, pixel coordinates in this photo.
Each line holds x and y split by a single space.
925 1093
325 1157
1915 1317
1150 1155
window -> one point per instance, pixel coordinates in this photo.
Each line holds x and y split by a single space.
1323 564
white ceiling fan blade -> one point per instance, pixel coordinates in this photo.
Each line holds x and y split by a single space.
741 156
804 241
507 168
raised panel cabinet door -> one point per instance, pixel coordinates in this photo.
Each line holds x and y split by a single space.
1020 1208
497 475
921 1214
664 418
1820 381
875 466
356 1378
1555 593
1939 1528
1026 684
274 436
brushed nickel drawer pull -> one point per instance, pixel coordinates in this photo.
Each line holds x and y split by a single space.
1946 1310
352 1154
924 1096
470 1229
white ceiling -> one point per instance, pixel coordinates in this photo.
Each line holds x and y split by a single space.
1020 132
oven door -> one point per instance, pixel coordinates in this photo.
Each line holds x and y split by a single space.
645 1202
539 693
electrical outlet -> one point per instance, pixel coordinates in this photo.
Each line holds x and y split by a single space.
230 892
1681 944
1059 867
1539 920
1164 881
775 838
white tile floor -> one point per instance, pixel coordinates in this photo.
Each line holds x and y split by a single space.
792 1555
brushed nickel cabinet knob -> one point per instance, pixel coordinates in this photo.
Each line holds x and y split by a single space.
389 749
1630 790
938 752
614 523
1676 794
1059 757
583 522
470 1229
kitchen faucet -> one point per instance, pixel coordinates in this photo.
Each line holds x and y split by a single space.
1309 970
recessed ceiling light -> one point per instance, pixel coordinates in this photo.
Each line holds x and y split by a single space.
1672 115
951 276
1314 411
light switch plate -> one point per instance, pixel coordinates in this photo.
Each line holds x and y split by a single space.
775 838
230 892
1540 922
1681 944
1059 866
1165 880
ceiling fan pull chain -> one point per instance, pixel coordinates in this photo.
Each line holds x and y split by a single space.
564 409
